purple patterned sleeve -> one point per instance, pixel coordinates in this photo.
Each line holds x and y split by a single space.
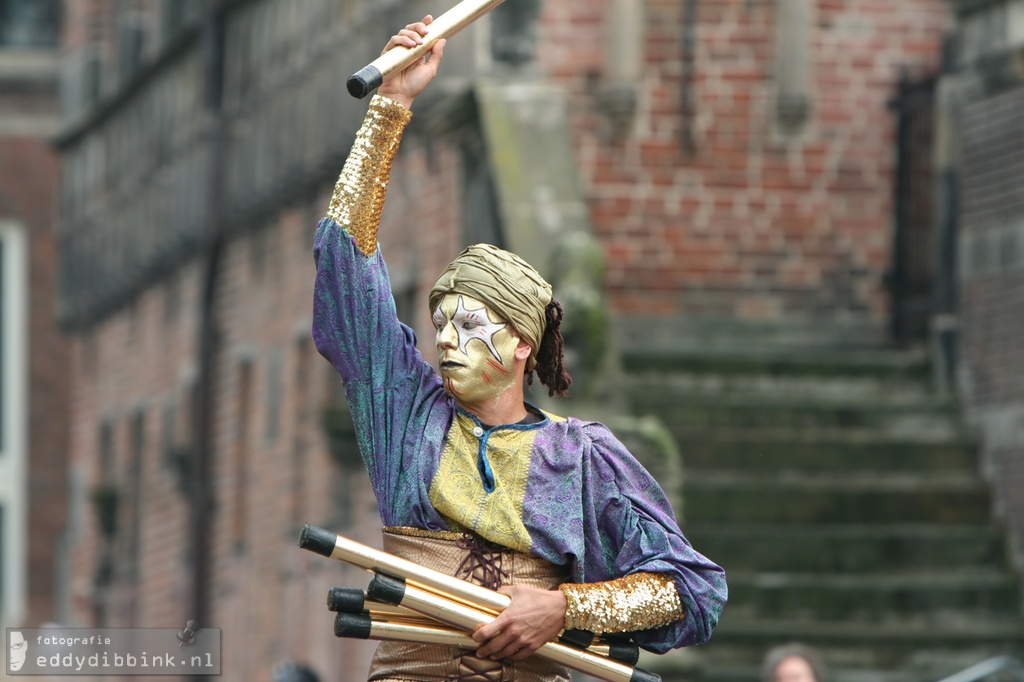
395 397
633 529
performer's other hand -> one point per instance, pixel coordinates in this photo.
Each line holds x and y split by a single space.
403 87
532 619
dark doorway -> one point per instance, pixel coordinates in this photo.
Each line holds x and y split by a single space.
916 261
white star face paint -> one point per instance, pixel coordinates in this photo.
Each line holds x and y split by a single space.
475 349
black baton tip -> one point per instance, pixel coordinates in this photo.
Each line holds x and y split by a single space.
346 600
385 589
355 625
364 81
580 639
317 540
624 652
643 676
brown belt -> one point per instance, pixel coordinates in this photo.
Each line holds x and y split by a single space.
470 558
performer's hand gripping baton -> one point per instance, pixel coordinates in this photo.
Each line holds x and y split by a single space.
451 600
369 78
364 618
449 587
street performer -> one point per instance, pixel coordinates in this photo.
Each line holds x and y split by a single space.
469 478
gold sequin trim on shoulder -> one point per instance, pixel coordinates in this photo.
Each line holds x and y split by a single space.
639 601
409 531
358 198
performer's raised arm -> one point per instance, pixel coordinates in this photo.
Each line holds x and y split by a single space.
355 324
354 337
359 194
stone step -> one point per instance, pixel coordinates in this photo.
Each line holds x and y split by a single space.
849 499
848 548
781 450
835 389
932 417
883 364
844 500
948 597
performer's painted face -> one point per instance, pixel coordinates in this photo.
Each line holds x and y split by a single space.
475 349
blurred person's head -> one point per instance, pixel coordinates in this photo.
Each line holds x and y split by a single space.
294 672
792 663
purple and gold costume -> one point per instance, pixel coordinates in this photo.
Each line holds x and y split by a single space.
562 490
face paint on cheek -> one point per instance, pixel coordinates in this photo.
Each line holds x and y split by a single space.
497 366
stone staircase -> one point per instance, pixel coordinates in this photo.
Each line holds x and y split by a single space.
845 501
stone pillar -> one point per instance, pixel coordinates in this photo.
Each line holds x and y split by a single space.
624 62
793 25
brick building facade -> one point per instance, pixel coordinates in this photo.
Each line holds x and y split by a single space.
737 172
34 365
720 203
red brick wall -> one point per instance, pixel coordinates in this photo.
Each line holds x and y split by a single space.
28 179
755 225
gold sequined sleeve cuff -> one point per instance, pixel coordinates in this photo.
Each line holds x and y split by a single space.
639 601
359 195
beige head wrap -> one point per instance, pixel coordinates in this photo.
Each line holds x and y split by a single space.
510 286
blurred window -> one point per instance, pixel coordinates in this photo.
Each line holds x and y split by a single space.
169 433
178 14
80 83
274 395
131 46
29 23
